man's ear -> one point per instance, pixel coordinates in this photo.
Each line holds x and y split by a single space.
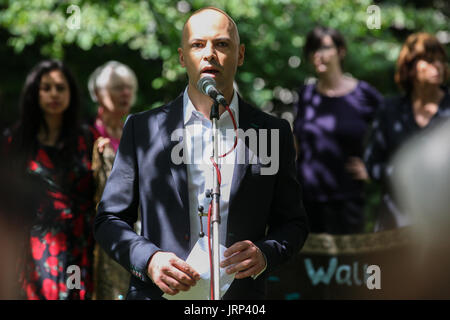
181 57
241 55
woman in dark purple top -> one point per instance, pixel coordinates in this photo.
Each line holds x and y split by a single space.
421 72
332 119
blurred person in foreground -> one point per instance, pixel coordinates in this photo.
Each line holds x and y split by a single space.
421 183
421 73
113 86
50 144
19 200
333 116
263 220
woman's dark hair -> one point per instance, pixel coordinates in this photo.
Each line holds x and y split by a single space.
315 36
24 141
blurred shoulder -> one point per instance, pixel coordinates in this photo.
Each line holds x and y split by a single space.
306 89
393 108
153 114
369 90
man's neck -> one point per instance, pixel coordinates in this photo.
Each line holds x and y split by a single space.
202 103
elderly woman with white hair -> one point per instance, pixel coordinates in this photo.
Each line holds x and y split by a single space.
113 86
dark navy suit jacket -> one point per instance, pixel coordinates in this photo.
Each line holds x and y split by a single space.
265 209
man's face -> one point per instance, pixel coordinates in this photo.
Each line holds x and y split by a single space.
210 47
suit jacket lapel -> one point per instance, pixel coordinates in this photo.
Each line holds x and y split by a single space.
169 121
246 121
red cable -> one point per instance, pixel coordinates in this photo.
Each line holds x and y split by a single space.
219 177
210 253
235 131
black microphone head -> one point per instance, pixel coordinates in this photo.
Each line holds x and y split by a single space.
204 83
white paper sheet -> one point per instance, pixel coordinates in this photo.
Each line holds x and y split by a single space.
199 260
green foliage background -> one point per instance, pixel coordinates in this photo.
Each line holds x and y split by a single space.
145 35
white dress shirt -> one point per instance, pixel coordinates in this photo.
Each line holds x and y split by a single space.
198 148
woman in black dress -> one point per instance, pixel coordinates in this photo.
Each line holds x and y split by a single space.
421 73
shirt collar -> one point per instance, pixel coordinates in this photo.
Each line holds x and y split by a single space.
189 110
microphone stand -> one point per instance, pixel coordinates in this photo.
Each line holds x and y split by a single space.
215 208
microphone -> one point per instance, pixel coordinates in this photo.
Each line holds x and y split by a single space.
207 86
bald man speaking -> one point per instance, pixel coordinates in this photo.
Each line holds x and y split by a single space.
163 168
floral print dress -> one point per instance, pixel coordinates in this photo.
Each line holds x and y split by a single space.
61 240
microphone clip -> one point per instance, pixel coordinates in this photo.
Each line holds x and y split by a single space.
214 110
200 215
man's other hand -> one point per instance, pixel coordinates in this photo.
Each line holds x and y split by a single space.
170 273
245 258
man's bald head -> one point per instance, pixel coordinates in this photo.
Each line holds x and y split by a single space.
211 47
197 15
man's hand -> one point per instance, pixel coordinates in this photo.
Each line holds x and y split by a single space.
247 258
170 273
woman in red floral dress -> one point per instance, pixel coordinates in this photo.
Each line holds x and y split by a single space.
49 143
